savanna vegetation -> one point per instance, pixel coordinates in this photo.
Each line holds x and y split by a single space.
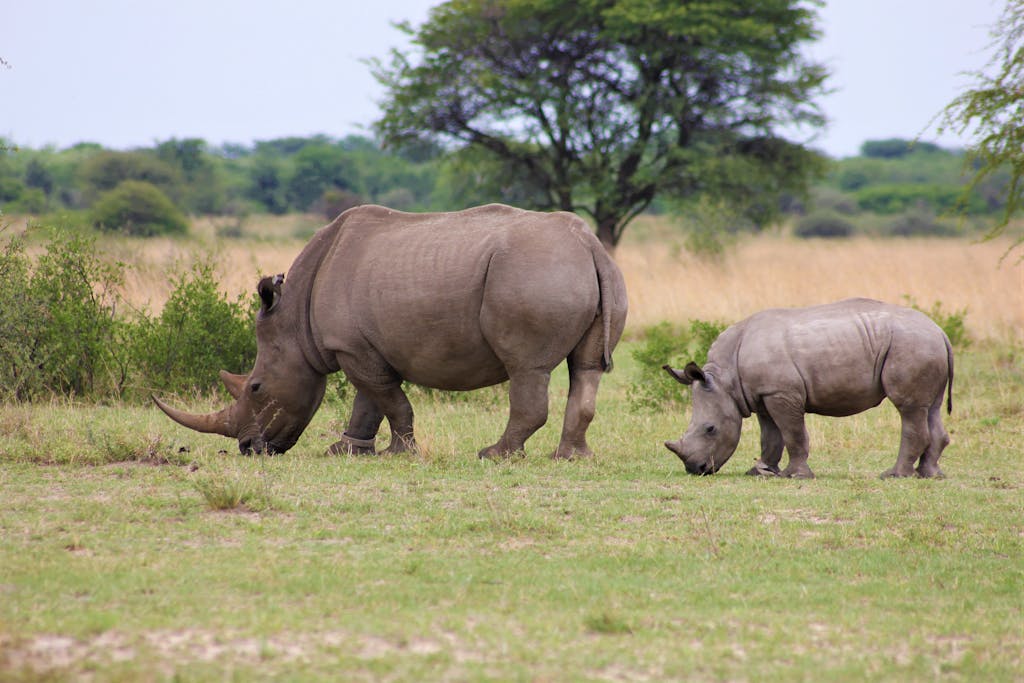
132 549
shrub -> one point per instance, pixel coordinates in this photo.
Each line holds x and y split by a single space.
198 333
59 335
892 148
104 170
20 319
823 225
399 198
32 201
665 344
829 200
138 208
892 198
919 223
951 322
710 227
11 190
336 200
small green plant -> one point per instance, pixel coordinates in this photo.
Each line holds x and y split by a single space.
607 624
237 489
951 322
665 344
224 493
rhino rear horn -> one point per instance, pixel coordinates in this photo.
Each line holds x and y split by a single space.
690 374
222 422
233 382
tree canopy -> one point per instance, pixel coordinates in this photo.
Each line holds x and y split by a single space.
599 106
992 111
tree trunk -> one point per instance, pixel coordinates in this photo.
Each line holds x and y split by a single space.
606 233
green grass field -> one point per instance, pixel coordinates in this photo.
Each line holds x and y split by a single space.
134 550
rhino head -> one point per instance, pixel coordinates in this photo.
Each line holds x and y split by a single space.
714 430
273 403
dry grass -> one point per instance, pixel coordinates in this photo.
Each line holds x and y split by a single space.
665 281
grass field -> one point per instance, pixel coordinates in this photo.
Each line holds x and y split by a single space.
134 550
668 283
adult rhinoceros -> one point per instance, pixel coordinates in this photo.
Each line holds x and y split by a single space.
452 301
836 359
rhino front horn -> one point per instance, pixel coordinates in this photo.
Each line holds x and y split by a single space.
222 422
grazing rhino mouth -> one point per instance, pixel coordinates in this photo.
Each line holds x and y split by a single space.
705 469
702 469
257 446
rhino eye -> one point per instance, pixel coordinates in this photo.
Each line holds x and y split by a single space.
256 387
710 430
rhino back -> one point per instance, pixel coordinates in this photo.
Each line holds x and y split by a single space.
442 296
830 357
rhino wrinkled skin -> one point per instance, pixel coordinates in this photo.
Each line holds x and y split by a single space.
453 301
835 359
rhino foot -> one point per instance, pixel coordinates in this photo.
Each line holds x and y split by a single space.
349 445
573 453
762 469
932 472
798 472
496 453
893 473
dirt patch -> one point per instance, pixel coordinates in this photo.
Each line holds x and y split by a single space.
165 651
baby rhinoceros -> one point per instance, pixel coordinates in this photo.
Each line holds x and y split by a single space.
835 359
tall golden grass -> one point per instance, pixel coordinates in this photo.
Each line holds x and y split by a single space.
667 282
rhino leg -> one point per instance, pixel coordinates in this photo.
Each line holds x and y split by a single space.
788 415
396 407
771 448
527 412
938 440
915 439
375 402
579 412
362 428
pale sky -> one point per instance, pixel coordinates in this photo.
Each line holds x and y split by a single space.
128 74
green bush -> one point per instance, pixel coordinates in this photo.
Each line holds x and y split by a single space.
336 200
919 223
11 190
59 335
823 225
893 198
20 318
198 333
138 208
951 322
665 344
103 170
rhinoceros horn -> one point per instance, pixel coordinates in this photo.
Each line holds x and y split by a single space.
222 422
234 383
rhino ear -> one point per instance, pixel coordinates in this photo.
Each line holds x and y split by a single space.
690 374
269 290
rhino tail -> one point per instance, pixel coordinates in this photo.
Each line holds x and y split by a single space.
949 382
613 297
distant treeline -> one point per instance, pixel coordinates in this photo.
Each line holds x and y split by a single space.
893 187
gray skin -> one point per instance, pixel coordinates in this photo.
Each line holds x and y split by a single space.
453 301
836 359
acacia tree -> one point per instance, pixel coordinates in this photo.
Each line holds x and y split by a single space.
598 106
992 112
